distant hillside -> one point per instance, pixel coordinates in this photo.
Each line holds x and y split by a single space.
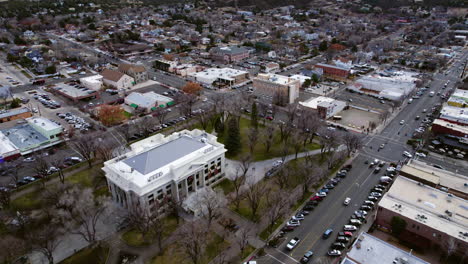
263 3
397 3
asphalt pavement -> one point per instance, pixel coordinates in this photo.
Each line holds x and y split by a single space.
331 213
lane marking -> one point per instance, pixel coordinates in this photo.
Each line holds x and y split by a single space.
287 255
276 259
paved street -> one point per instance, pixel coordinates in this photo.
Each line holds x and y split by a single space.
331 213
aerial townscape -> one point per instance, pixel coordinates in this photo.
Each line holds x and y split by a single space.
233 131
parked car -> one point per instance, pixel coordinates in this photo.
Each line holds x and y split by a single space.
327 233
349 228
338 245
334 253
307 256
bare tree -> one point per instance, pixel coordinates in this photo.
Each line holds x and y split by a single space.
81 212
58 163
13 171
5 195
282 178
160 114
186 102
108 149
85 146
335 158
296 140
450 246
268 135
41 168
254 195
12 247
192 241
174 207
210 204
328 141
242 238
45 240
125 131
238 181
352 142
204 117
278 206
384 116
252 136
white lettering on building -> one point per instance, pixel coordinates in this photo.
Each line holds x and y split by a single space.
208 149
154 177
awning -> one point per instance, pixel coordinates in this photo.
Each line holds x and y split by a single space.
162 105
153 108
170 103
134 105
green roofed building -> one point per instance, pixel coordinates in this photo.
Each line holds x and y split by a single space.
146 102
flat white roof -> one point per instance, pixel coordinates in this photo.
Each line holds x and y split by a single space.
92 79
275 78
42 122
221 73
368 249
440 122
437 176
314 102
6 146
454 113
428 206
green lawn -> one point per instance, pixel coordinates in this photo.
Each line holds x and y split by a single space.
95 255
127 114
136 239
173 254
259 152
249 249
25 73
27 202
102 191
226 185
85 177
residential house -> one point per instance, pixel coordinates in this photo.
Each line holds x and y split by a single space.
138 72
117 79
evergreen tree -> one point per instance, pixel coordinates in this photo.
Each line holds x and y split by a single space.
323 45
254 116
233 142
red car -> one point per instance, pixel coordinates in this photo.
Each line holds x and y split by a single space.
269 118
348 234
316 198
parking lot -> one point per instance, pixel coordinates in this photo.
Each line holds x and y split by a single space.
363 101
11 77
357 118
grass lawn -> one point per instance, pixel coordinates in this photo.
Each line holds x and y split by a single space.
102 191
85 177
226 185
260 152
25 73
136 239
247 250
27 202
267 231
96 255
127 114
174 255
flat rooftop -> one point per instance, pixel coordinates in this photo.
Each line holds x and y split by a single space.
454 113
24 136
164 154
428 206
221 73
43 123
314 102
440 122
368 249
436 176
72 91
13 112
276 78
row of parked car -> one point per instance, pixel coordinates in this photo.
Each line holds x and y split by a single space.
355 221
76 121
69 161
295 220
154 129
45 100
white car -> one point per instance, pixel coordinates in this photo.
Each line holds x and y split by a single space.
30 159
420 154
277 163
402 122
347 201
407 154
349 228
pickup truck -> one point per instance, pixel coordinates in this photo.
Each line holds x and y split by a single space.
293 243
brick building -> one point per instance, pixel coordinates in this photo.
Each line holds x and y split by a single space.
333 71
229 54
14 114
274 84
434 218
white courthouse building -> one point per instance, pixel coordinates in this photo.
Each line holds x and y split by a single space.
159 167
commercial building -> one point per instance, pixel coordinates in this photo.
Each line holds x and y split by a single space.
75 93
185 69
165 65
325 107
333 70
394 86
137 72
368 249
444 180
433 217
459 98
160 167
147 102
229 54
220 76
455 115
274 84
38 133
93 82
442 127
117 79
14 114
